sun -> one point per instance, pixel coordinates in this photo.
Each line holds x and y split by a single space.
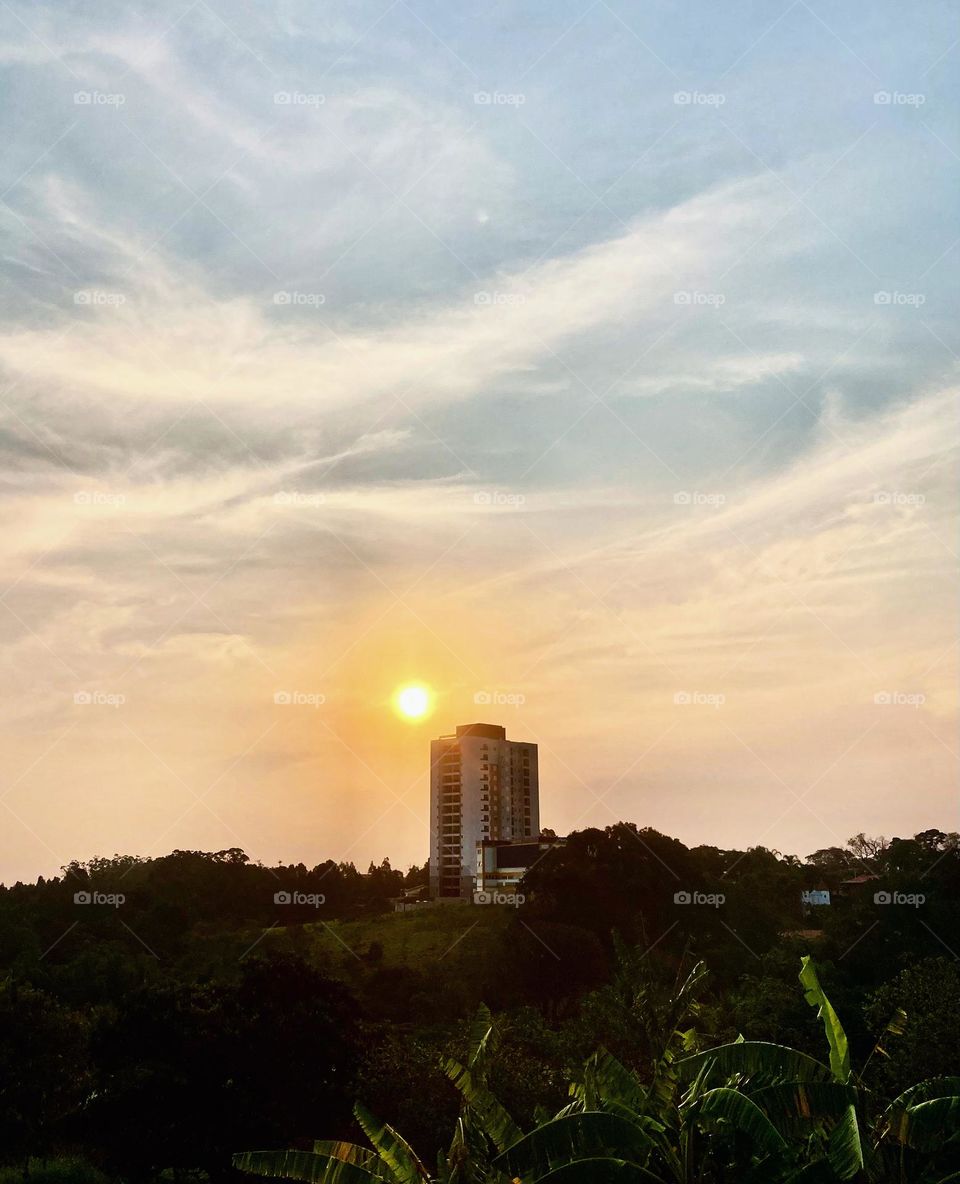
413 701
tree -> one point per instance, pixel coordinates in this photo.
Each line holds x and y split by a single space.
44 1073
186 1071
929 993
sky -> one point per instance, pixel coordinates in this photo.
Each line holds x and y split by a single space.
593 363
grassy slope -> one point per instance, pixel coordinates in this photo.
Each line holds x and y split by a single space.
456 935
410 939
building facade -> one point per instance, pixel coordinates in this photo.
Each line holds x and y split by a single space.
502 864
482 786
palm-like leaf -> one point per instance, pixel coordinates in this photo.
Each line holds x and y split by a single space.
731 1106
493 1118
349 1153
600 1169
614 1082
575 1138
484 1041
467 1160
392 1148
795 1104
845 1150
306 1166
929 1125
836 1037
755 1059
923 1091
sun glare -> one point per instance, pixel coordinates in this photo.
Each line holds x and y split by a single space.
414 701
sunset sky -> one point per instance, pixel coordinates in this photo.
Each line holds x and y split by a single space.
599 358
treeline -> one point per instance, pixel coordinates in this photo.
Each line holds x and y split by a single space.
168 900
158 1014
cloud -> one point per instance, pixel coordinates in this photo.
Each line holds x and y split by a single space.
168 342
587 397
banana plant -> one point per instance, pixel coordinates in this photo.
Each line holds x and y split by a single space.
751 1111
847 1133
392 1159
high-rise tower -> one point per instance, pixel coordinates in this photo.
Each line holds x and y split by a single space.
482 786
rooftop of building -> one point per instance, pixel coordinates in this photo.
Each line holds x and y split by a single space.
488 731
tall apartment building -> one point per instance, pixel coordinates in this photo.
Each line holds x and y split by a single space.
482 786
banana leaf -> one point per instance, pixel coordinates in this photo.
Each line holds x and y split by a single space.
392 1148
305 1166
844 1149
598 1170
573 1139
794 1104
836 1037
755 1059
493 1118
735 1108
929 1125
